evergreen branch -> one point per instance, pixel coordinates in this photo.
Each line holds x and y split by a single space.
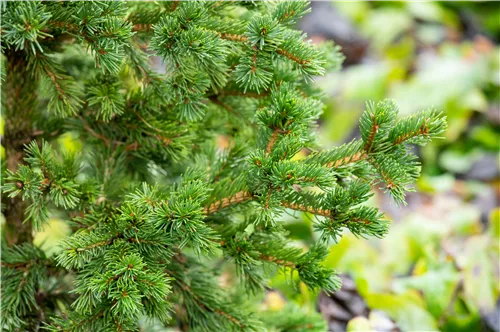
375 121
164 140
423 130
245 94
372 132
54 80
358 156
204 294
174 5
93 133
147 123
228 108
64 25
229 317
92 246
203 306
142 27
272 141
418 128
237 198
309 209
288 12
278 261
63 92
234 37
292 57
223 35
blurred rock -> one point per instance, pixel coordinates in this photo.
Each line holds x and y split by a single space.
346 304
486 201
484 169
492 319
493 113
325 22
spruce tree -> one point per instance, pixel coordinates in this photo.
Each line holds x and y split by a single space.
182 174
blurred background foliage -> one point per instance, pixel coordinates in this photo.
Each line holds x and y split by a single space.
438 268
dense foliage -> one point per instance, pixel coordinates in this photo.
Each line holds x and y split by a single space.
182 173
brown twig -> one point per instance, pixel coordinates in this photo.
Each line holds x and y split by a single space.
95 245
92 132
358 156
237 198
292 57
54 79
303 208
142 27
234 37
373 132
216 101
423 130
278 261
147 123
272 141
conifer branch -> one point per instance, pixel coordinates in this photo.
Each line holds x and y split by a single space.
228 108
234 37
292 57
202 305
309 209
246 94
278 261
371 136
272 141
142 27
423 130
358 156
147 123
92 246
237 198
93 132
175 3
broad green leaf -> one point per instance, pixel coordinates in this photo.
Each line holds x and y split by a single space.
437 287
480 283
435 184
396 256
405 309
